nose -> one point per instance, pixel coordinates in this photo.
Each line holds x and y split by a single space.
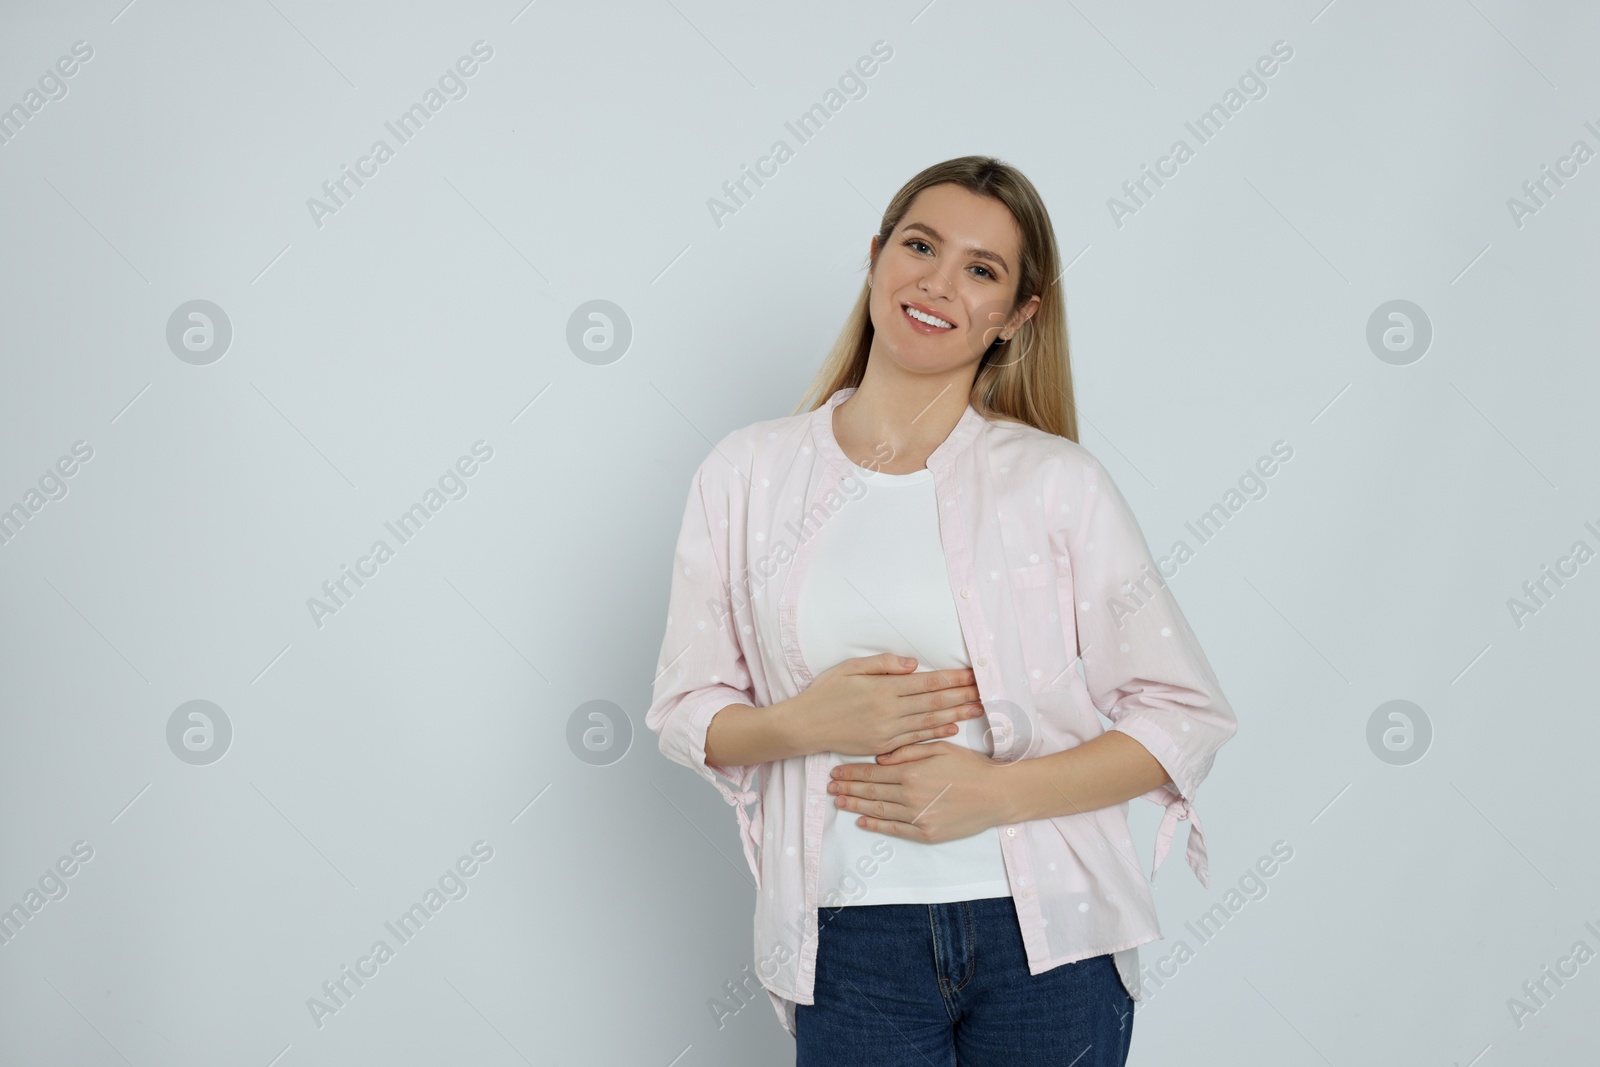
934 282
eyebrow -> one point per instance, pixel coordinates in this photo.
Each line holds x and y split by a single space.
975 252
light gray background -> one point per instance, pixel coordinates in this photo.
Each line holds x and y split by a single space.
431 311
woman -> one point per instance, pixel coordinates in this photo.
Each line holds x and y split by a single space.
892 622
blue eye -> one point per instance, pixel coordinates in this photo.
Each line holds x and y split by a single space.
919 244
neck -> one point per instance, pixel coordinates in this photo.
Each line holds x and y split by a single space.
902 415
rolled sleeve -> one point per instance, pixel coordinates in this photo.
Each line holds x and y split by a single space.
1143 665
683 739
701 668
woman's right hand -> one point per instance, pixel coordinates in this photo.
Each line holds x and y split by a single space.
869 705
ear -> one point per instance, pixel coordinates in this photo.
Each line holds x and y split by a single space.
1025 312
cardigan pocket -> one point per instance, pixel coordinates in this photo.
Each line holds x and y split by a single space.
1046 651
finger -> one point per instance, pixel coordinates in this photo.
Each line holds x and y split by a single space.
886 800
894 828
934 709
858 792
935 734
884 810
932 681
885 782
880 826
939 722
962 679
920 750
927 724
969 710
855 772
954 702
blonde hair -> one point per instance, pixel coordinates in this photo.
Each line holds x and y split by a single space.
1026 379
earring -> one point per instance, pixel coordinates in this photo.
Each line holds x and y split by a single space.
1020 357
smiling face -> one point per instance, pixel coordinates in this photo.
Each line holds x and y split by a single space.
945 281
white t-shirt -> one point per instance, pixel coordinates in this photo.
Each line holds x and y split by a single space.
878 583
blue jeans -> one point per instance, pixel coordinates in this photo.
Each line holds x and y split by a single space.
929 985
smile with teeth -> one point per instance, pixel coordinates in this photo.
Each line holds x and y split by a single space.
929 319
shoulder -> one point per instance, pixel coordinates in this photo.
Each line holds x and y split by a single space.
1071 488
1059 461
746 452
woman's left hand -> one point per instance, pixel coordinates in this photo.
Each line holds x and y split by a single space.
927 791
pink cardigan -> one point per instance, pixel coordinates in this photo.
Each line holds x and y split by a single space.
1052 576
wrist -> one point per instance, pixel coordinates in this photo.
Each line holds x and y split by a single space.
1013 785
791 723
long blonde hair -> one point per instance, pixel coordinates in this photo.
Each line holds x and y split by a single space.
1026 379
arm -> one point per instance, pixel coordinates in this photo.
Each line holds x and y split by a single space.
1144 670
1108 770
701 669
743 734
